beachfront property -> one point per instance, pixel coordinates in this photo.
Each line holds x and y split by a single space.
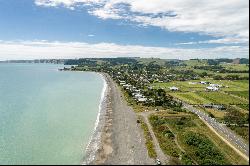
122 82
142 99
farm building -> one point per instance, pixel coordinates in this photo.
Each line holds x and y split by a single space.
174 88
204 82
219 107
212 88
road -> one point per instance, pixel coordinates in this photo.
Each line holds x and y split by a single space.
222 130
160 155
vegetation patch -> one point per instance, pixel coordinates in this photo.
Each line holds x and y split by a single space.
203 149
242 131
164 136
148 137
181 125
243 106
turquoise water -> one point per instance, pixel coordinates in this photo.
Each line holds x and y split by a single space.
46 116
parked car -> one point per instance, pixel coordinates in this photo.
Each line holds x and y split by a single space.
158 162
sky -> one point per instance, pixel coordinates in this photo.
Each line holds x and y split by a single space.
167 29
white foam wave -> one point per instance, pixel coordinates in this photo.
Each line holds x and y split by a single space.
94 142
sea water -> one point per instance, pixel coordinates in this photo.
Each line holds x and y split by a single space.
46 116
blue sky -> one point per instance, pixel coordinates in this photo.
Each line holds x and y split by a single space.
31 29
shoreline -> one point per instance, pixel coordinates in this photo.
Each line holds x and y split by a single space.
122 139
104 148
97 150
117 138
95 140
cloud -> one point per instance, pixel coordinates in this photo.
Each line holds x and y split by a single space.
226 19
45 49
219 41
91 35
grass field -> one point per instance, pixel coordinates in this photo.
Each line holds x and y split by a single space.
221 98
191 98
196 62
239 85
243 94
182 125
237 67
208 98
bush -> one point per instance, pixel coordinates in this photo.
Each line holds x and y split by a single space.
204 150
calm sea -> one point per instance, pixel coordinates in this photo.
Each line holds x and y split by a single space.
46 116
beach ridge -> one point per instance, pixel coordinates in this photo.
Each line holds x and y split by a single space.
122 140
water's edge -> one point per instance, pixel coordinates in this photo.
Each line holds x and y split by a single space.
95 140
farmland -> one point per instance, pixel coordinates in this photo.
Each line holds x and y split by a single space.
193 85
231 94
185 127
243 94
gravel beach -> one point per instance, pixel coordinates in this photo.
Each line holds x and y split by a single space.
122 139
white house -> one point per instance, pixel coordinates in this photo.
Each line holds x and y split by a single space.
138 96
203 82
174 88
137 91
127 85
142 99
122 82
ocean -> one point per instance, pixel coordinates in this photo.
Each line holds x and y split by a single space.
47 116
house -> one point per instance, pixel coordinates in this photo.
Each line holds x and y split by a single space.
212 88
174 88
203 82
127 86
137 91
142 99
122 82
138 95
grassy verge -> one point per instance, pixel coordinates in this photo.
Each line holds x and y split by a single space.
148 137
242 131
